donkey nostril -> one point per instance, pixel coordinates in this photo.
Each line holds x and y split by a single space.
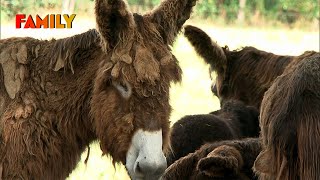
146 167
138 168
150 167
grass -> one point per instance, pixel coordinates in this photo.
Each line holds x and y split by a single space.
192 95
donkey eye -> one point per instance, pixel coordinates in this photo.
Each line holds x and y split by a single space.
214 89
124 88
108 81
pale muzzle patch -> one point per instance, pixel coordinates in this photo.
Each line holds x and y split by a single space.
145 158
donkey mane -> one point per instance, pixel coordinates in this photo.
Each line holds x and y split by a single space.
250 65
259 65
256 64
67 48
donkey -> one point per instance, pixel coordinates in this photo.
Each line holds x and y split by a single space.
289 114
222 160
243 74
290 124
111 85
288 147
234 120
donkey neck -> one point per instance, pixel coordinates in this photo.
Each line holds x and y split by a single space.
253 71
65 104
73 107
242 120
230 119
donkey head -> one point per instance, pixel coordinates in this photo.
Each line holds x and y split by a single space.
242 74
130 102
212 53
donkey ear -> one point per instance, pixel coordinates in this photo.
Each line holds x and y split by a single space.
182 168
262 163
210 51
114 22
221 161
170 16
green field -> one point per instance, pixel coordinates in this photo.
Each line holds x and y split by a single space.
192 95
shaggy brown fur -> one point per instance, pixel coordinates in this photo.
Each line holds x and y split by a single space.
242 74
228 160
290 149
57 96
290 126
233 121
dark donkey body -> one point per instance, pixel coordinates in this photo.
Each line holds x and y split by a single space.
289 117
222 160
244 74
58 96
288 147
290 124
233 121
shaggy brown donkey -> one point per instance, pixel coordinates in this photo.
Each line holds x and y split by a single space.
243 74
223 160
233 121
58 96
289 149
290 124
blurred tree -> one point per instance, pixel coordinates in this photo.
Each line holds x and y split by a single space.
68 6
141 6
207 8
242 4
12 7
254 10
292 10
232 9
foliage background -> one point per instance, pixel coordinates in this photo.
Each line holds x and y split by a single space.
253 12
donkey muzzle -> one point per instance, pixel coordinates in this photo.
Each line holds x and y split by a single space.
145 159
